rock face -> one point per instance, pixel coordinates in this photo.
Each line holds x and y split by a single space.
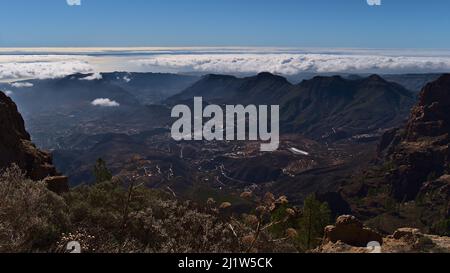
16 146
434 198
351 231
421 152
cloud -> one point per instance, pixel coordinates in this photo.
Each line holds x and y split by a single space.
93 77
291 64
42 63
74 2
105 103
126 79
42 70
22 84
8 93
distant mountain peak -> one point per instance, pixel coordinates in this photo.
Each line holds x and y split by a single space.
270 76
218 77
375 77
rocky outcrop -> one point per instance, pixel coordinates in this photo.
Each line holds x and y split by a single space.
352 235
351 231
57 184
421 151
16 146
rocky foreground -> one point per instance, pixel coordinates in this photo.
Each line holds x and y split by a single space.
349 235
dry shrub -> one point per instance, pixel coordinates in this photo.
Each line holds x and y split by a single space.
31 217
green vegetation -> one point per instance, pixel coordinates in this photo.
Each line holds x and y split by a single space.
123 216
442 228
31 217
101 172
316 216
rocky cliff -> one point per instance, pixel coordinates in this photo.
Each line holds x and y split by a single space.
16 148
420 152
410 183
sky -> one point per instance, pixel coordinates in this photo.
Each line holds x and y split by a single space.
277 23
55 38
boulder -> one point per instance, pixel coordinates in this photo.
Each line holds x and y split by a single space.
351 231
57 184
406 233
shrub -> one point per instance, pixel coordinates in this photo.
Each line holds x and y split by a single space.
31 217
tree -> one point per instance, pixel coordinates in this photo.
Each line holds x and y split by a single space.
316 216
101 172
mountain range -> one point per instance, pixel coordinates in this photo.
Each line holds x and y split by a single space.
323 108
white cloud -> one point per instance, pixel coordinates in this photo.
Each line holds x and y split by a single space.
8 93
291 64
42 70
105 103
126 79
94 76
33 66
22 84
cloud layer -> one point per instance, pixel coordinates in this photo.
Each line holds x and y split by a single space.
102 102
21 64
291 64
42 70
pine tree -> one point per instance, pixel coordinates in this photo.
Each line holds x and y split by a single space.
316 216
101 172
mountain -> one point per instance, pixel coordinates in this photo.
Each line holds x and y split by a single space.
150 88
16 147
79 90
57 108
334 107
324 108
264 88
413 82
71 92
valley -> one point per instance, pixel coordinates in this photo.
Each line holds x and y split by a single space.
330 127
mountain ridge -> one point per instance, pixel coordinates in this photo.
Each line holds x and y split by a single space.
326 108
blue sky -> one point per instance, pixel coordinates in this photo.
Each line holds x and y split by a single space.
295 23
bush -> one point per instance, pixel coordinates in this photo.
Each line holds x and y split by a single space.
126 218
31 217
